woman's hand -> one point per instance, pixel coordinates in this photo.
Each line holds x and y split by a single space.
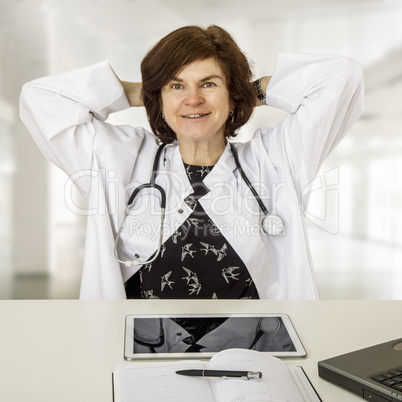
133 92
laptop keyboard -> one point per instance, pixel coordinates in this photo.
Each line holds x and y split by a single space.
391 378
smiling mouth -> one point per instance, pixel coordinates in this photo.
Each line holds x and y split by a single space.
195 116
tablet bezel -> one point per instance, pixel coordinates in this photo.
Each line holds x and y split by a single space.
129 337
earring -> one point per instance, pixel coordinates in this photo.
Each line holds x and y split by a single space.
231 116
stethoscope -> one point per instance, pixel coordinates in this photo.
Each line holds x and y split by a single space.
266 325
151 184
271 224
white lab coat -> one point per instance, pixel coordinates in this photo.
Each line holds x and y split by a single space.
66 115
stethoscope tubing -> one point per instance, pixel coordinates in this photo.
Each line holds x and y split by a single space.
266 222
247 181
151 184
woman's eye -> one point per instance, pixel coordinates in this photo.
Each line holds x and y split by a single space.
209 84
177 86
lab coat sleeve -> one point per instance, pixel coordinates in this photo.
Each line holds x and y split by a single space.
323 96
66 113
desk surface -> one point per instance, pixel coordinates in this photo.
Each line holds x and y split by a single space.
65 351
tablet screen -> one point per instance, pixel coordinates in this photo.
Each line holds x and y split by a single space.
190 336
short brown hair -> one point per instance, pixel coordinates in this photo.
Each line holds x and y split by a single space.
180 48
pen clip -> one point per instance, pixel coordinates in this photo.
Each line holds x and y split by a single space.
243 377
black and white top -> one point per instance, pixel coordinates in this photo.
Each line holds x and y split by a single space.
196 261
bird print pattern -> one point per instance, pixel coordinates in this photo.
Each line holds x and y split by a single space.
196 261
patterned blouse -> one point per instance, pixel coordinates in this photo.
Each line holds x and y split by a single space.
196 261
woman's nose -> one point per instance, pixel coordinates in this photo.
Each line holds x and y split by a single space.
194 97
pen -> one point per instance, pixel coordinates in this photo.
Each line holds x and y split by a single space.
244 375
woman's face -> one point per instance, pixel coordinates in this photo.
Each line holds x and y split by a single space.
196 102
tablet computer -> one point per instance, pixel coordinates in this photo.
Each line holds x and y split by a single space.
202 335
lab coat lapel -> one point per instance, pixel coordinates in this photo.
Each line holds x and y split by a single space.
173 164
173 179
221 201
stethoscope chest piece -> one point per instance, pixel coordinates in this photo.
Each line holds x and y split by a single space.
272 225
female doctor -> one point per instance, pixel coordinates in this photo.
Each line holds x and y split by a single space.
198 216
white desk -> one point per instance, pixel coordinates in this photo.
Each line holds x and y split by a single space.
65 351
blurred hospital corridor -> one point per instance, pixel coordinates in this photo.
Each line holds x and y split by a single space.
354 217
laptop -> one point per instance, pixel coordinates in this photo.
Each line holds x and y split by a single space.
374 373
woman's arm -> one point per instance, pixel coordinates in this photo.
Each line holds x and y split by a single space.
66 115
324 97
